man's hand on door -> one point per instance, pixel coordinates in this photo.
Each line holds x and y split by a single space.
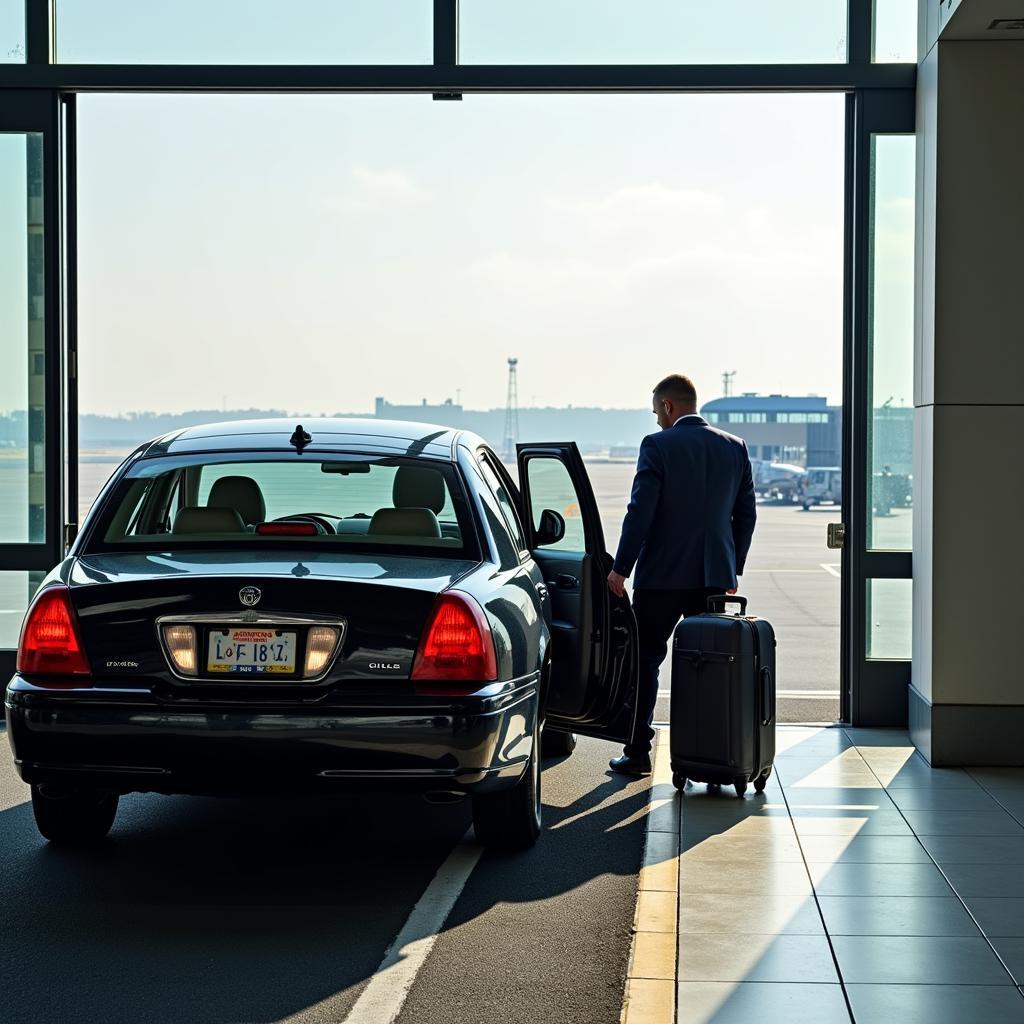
617 583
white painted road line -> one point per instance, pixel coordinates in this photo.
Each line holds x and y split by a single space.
384 996
787 572
807 694
788 694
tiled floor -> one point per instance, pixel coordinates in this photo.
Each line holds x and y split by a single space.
863 885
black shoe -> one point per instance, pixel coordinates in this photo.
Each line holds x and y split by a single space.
626 765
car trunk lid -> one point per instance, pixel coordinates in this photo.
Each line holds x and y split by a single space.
384 601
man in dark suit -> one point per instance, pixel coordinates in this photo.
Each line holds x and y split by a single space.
687 530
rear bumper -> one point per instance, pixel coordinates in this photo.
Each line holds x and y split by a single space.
126 740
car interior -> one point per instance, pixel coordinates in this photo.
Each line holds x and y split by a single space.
241 493
420 510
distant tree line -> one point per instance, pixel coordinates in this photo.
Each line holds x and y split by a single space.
593 429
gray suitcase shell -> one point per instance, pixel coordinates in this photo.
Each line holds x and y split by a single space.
723 698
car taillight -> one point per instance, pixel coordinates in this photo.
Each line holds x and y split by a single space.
457 647
50 643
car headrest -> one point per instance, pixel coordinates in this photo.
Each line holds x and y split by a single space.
241 493
200 519
418 487
405 522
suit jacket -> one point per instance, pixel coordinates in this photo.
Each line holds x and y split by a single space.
692 511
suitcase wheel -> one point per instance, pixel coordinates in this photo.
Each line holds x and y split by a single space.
762 780
741 786
679 781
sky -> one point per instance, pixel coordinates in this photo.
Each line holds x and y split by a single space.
313 252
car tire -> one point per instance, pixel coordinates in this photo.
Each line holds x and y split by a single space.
74 818
509 820
555 743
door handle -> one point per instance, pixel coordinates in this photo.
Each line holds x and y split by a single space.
563 581
836 535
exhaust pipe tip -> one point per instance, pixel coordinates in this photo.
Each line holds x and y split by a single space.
444 796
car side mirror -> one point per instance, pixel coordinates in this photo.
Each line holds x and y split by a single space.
551 528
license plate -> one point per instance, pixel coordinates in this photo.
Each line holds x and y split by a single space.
248 651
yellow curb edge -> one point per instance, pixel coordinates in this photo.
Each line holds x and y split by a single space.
652 977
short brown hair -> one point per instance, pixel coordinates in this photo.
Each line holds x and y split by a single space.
676 388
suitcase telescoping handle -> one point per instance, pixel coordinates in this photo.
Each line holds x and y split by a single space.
717 601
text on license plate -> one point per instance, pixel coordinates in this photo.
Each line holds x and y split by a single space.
251 651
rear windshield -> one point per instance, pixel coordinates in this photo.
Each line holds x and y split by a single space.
411 505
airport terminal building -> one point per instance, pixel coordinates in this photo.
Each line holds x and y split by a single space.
802 430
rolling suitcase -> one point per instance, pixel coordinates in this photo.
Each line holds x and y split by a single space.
723 698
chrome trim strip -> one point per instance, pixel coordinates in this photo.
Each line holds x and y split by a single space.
118 769
415 773
250 618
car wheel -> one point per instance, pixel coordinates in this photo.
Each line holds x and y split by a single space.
510 819
555 743
73 818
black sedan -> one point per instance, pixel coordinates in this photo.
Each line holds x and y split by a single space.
256 607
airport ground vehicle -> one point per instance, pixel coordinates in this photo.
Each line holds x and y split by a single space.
823 485
777 481
891 490
252 608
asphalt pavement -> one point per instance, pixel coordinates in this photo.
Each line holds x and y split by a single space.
222 911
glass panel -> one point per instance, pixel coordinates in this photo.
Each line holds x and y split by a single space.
508 553
552 487
12 31
244 32
652 32
16 590
895 31
22 352
415 246
506 504
891 343
368 503
889 619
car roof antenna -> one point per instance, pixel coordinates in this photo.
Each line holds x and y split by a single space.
300 438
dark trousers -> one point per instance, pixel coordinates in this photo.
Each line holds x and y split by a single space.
657 613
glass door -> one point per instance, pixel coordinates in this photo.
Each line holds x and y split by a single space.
880 391
31 449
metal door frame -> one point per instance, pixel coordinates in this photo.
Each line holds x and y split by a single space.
877 95
874 692
37 112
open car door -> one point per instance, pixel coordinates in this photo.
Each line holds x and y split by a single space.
594 645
